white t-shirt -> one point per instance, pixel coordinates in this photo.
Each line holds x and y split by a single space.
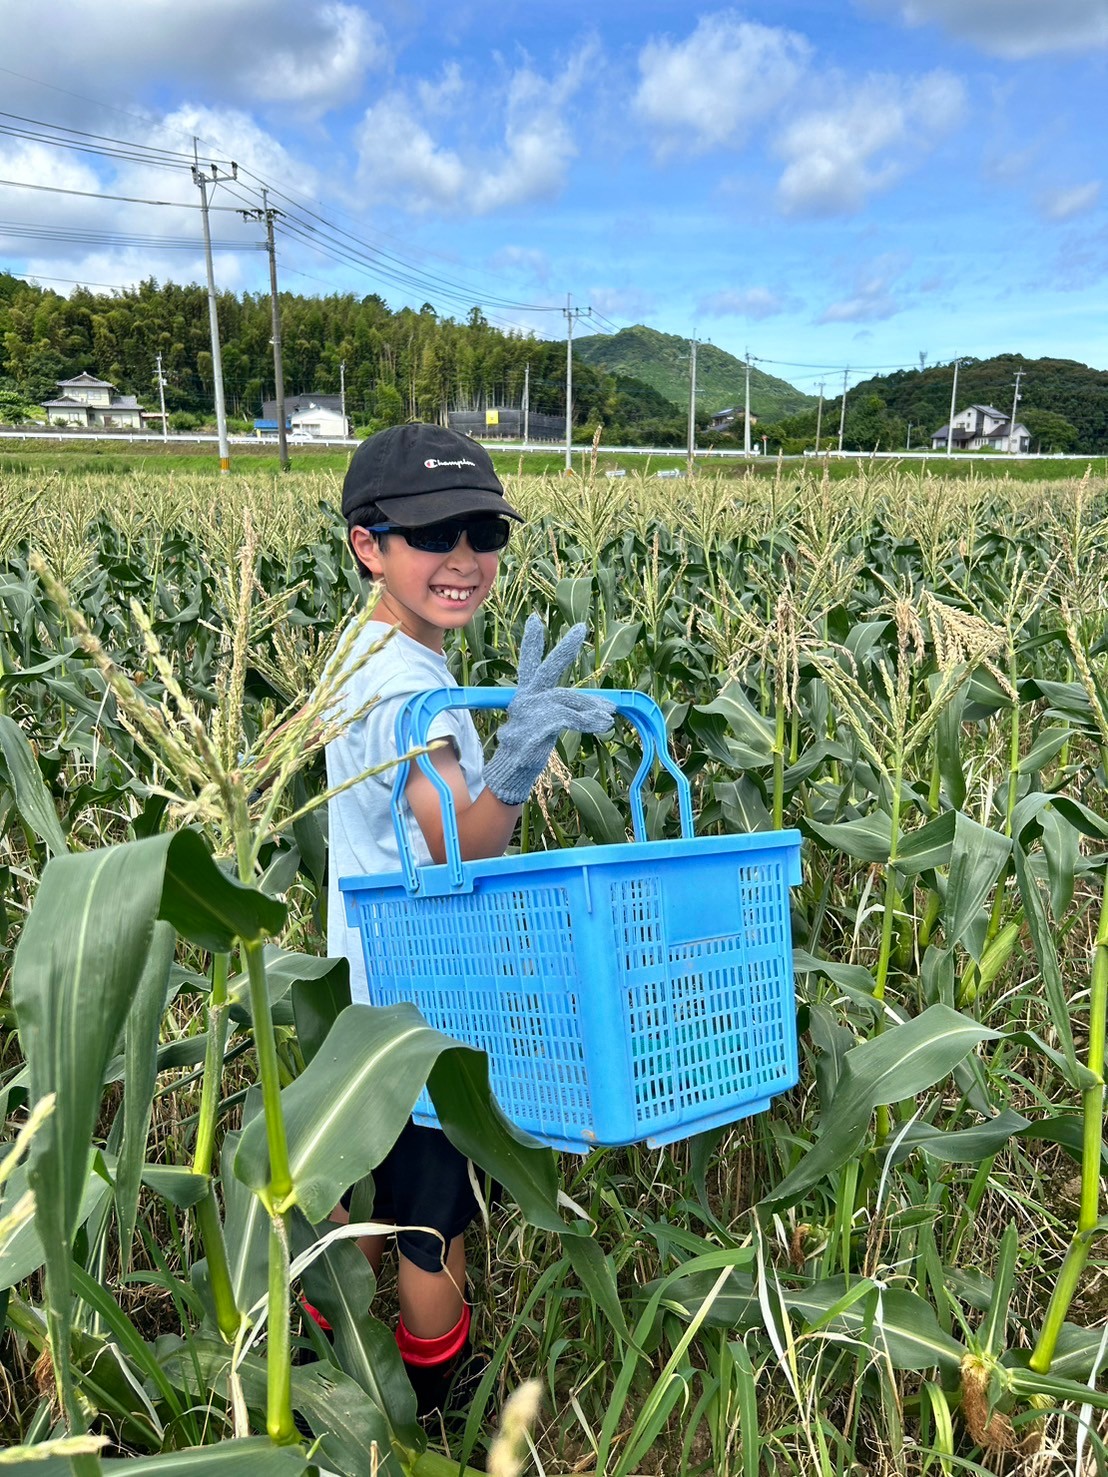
362 840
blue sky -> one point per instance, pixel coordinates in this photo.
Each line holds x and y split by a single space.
829 184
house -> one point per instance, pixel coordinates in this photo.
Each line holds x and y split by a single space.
723 420
87 401
318 416
981 426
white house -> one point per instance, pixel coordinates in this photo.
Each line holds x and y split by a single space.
981 425
87 401
309 415
723 420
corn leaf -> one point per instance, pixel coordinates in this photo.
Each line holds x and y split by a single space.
346 1110
977 858
893 1066
144 1021
32 798
340 1283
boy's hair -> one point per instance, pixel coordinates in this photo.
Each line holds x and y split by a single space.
368 516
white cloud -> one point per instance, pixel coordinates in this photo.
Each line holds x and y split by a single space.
621 304
308 57
1014 29
1063 204
836 158
872 296
401 161
119 198
710 88
526 262
750 302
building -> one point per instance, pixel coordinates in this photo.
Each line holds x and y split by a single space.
723 420
87 401
506 423
980 426
318 416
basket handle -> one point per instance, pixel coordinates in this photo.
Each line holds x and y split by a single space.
414 720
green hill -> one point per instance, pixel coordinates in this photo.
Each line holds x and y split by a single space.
662 360
1049 389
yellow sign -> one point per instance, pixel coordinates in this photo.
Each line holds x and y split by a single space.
492 417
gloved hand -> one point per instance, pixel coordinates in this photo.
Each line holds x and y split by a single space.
540 712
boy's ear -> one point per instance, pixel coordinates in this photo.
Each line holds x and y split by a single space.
367 549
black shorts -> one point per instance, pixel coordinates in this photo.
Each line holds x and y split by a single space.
423 1181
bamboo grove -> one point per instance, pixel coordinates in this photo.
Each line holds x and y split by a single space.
899 1268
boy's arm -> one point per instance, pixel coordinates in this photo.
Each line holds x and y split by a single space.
485 825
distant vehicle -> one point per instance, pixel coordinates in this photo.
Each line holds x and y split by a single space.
301 436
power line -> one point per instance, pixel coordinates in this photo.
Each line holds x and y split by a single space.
19 184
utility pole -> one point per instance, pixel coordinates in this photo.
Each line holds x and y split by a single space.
842 413
342 395
953 409
201 181
161 399
275 303
571 315
819 414
1012 441
526 402
746 409
692 403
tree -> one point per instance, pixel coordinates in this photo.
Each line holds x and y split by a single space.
1049 431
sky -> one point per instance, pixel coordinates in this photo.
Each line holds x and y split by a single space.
836 187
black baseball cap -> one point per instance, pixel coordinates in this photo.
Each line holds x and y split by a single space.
420 474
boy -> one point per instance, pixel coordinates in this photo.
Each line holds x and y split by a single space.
427 518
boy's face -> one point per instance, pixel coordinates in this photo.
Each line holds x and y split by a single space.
425 594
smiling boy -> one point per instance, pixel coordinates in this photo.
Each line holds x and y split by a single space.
427 519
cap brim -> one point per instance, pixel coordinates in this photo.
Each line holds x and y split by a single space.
436 507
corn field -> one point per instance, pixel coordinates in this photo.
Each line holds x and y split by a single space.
898 1269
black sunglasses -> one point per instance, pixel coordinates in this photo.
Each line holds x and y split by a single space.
485 535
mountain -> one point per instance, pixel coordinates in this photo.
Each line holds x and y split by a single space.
1063 403
662 360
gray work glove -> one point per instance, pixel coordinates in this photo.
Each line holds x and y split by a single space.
540 712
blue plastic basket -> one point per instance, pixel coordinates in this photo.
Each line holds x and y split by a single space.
626 993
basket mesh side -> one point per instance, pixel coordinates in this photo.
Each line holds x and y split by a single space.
496 970
709 1021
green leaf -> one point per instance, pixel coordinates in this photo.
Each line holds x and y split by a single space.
23 1252
866 839
620 641
207 906
346 1110
1046 746
743 806
1046 953
245 1222
340 1283
961 1145
178 1186
891 1321
601 819
902 1061
744 720
574 597
1060 849
927 847
144 1021
978 857
32 798
471 1119
317 1001
249 1456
